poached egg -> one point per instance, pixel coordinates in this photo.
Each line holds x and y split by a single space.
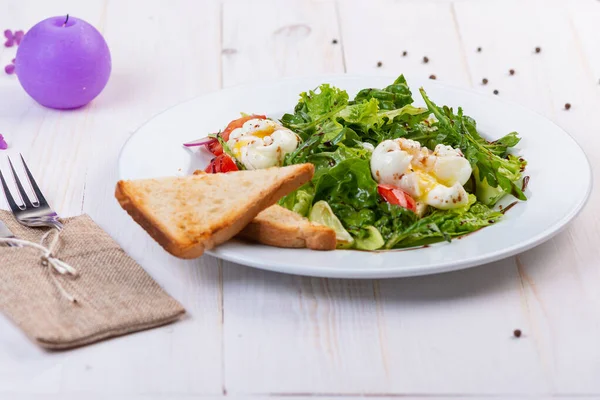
262 143
434 178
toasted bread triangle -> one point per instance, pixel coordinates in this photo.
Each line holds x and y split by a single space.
277 226
187 215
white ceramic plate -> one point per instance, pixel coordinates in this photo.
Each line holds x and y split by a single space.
556 194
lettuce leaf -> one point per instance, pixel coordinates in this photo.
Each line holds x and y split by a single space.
314 108
394 96
324 117
348 182
300 201
365 115
352 194
334 131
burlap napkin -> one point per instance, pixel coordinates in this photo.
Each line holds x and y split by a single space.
114 295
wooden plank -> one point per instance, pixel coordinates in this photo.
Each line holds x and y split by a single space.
582 17
171 43
270 397
53 143
308 335
407 324
269 40
560 278
289 336
161 56
459 328
428 324
381 30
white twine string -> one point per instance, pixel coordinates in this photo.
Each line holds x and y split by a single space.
48 259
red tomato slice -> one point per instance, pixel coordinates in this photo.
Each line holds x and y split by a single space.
237 123
210 169
221 163
397 196
215 147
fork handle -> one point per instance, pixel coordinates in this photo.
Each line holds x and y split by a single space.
10 244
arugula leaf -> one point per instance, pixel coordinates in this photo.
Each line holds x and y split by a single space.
326 112
301 153
333 131
498 147
393 220
495 170
444 225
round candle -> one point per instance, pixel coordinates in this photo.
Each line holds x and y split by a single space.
63 62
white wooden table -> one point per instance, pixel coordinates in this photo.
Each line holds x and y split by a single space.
262 334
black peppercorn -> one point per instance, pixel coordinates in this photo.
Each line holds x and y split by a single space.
517 333
496 91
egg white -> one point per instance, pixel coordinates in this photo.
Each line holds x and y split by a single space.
433 178
262 143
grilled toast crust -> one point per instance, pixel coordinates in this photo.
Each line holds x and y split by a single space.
191 241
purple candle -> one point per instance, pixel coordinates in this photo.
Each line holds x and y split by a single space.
63 62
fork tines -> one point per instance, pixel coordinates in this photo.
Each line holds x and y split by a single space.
27 203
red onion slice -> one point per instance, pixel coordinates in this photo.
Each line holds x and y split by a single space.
200 142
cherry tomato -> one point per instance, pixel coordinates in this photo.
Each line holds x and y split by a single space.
397 196
221 163
237 123
215 147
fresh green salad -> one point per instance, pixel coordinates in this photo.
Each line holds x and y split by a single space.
388 174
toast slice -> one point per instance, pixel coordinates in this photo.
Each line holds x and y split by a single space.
280 227
187 215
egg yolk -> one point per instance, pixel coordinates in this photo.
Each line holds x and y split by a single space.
269 129
425 181
261 134
237 148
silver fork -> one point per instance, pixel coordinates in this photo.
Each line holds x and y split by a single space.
30 213
5 233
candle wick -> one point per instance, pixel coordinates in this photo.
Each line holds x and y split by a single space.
66 20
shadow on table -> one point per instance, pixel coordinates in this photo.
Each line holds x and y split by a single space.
491 284
481 282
